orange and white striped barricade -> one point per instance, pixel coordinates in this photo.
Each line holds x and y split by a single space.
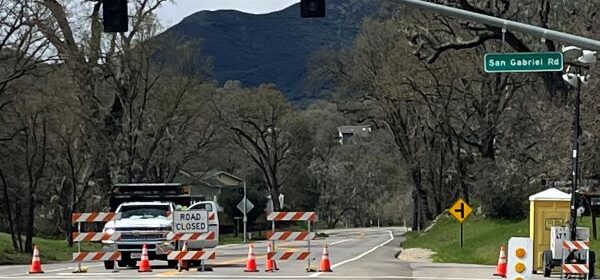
583 246
575 269
202 256
289 235
95 236
181 236
96 256
289 255
292 216
94 217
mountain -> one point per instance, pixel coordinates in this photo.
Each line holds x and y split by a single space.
274 47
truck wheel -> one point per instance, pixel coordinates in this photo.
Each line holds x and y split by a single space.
172 264
109 265
547 258
592 264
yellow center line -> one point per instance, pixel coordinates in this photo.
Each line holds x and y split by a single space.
168 273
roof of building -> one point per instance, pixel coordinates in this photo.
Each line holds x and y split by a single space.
551 194
355 129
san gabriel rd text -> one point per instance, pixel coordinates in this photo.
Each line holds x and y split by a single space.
523 62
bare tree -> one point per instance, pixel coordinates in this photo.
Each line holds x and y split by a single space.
261 123
22 51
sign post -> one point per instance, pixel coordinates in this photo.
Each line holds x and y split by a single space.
523 62
245 206
460 210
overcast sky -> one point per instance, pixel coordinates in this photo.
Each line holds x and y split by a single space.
171 14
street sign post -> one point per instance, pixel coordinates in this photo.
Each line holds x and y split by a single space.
249 205
523 62
460 210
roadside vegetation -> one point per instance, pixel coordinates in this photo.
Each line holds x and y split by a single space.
482 239
51 250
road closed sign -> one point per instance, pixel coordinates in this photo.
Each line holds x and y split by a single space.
190 221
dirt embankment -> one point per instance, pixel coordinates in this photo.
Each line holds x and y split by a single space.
416 255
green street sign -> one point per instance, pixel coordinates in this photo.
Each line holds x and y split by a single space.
523 62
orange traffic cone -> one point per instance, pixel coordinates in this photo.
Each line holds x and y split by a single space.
271 266
251 262
144 262
181 263
325 265
36 264
501 267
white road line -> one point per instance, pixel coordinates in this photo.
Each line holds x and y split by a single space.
338 242
195 276
52 270
359 256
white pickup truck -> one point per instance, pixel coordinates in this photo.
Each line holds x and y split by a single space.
149 222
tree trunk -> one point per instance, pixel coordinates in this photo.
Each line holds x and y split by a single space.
30 220
464 188
275 198
415 210
421 205
9 212
18 226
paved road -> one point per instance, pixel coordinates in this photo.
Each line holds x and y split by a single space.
355 254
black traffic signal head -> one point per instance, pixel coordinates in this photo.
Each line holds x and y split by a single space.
115 16
312 8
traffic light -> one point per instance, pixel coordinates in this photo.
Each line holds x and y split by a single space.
312 8
115 16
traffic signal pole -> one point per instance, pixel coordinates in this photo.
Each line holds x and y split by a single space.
575 40
575 174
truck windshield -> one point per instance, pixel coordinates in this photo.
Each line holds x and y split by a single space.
144 211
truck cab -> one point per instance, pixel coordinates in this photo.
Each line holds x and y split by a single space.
213 225
141 223
145 216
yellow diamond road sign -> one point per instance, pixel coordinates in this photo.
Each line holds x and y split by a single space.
460 210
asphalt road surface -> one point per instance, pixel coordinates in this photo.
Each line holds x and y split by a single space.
367 253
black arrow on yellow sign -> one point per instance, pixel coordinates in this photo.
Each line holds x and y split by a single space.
461 210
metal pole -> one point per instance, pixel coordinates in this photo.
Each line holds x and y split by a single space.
506 24
461 235
308 267
79 246
245 219
272 232
572 222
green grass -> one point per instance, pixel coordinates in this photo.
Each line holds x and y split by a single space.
483 238
230 239
51 250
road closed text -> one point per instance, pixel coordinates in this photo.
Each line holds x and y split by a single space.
190 221
190 227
